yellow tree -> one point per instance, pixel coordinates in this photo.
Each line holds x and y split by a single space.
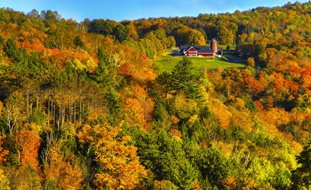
120 165
196 37
226 32
3 152
4 182
1 107
189 36
59 171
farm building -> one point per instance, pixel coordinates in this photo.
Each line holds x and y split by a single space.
204 51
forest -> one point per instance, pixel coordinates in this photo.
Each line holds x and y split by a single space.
83 107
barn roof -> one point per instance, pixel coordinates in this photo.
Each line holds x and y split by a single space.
200 49
203 49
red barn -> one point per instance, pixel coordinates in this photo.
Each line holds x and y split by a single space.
203 51
191 51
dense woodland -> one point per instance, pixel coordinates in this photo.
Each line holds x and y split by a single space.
82 106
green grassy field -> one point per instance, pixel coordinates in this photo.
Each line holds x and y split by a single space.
167 63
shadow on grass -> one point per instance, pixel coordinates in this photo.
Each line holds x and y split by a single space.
233 59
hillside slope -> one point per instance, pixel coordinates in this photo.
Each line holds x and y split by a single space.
81 106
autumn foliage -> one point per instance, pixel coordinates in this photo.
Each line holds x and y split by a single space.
120 164
84 106
28 144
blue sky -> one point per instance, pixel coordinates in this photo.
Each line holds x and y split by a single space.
134 9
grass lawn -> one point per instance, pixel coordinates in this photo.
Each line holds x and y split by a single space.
167 63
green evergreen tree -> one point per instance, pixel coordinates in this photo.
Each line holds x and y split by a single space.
183 80
301 176
12 51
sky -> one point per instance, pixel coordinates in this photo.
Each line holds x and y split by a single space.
136 9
